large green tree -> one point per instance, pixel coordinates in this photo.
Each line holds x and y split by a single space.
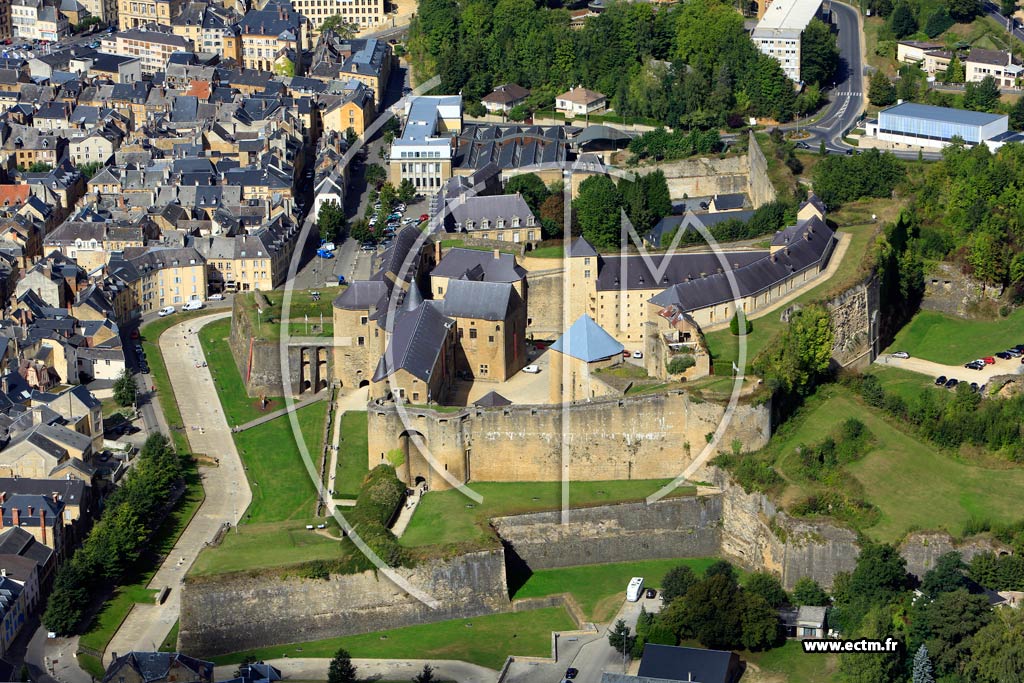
677 582
330 221
819 54
902 21
532 188
881 91
597 208
946 576
125 390
998 650
768 587
983 95
341 669
806 591
947 625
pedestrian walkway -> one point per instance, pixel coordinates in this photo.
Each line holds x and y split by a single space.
227 490
345 403
263 419
315 669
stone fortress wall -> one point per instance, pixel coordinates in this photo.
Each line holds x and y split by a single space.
644 437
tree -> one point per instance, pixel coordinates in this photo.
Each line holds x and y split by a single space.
424 676
902 21
619 637
947 625
955 71
739 318
946 576
375 174
125 390
552 216
880 574
983 95
330 221
938 23
881 91
873 667
711 612
341 669
388 197
819 54
964 11
1017 114
721 568
518 113
90 169
802 355
406 191
659 199
598 207
677 581
998 650
533 189
987 257
342 28
768 587
1007 7
808 592
38 167
283 66
361 231
760 622
922 672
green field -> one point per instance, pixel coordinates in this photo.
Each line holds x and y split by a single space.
239 408
258 546
914 484
281 485
600 588
954 341
486 641
449 517
903 382
552 251
724 345
353 461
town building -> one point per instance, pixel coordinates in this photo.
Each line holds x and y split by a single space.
157 667
423 153
1002 66
579 101
153 47
778 33
364 14
38 20
924 125
367 60
139 13
272 38
503 217
504 98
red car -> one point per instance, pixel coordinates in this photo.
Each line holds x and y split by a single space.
626 354
989 360
424 217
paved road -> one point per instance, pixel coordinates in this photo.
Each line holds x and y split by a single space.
933 370
598 656
315 669
227 492
992 10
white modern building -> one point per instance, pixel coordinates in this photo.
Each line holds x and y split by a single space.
424 153
778 33
924 125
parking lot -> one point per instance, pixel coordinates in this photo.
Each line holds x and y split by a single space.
999 366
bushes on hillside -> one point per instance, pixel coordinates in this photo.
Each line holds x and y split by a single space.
131 515
842 179
380 496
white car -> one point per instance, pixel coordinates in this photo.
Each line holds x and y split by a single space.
193 305
165 311
638 354
216 297
330 246
532 369
901 354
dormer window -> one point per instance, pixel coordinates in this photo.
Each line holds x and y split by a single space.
501 223
484 224
515 221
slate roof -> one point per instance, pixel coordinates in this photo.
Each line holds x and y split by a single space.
587 341
510 147
688 663
361 295
993 57
669 223
632 272
479 265
17 541
154 666
579 248
728 202
506 94
417 340
492 207
492 399
480 300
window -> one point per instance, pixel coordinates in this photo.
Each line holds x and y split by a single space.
490 338
360 341
483 369
586 261
362 320
472 333
586 273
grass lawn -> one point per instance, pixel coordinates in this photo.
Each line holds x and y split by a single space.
903 382
281 487
463 244
724 346
954 341
486 640
600 588
448 517
257 546
238 407
170 643
791 661
554 251
913 483
353 462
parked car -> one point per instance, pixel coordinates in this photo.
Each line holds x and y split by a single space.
532 369
974 365
329 246
638 354
134 334
165 311
940 380
952 382
1014 353
1003 355
626 353
216 297
571 673
424 217
901 354
974 386
323 253
368 246
651 593
988 360
193 305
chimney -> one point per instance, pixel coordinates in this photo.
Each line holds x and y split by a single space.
3 572
15 516
55 496
42 525
31 510
497 254
437 251
3 497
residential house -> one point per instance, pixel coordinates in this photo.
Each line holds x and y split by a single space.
157 667
504 98
152 47
273 38
805 621
1002 66
367 60
38 20
138 13
504 218
579 102
354 110
162 276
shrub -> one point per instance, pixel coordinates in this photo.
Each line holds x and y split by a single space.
739 318
681 363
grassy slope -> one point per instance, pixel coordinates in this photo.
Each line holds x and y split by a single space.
914 484
447 517
238 407
600 588
945 339
484 640
353 462
257 546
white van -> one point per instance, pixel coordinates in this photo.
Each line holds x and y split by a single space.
193 305
635 590
165 311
